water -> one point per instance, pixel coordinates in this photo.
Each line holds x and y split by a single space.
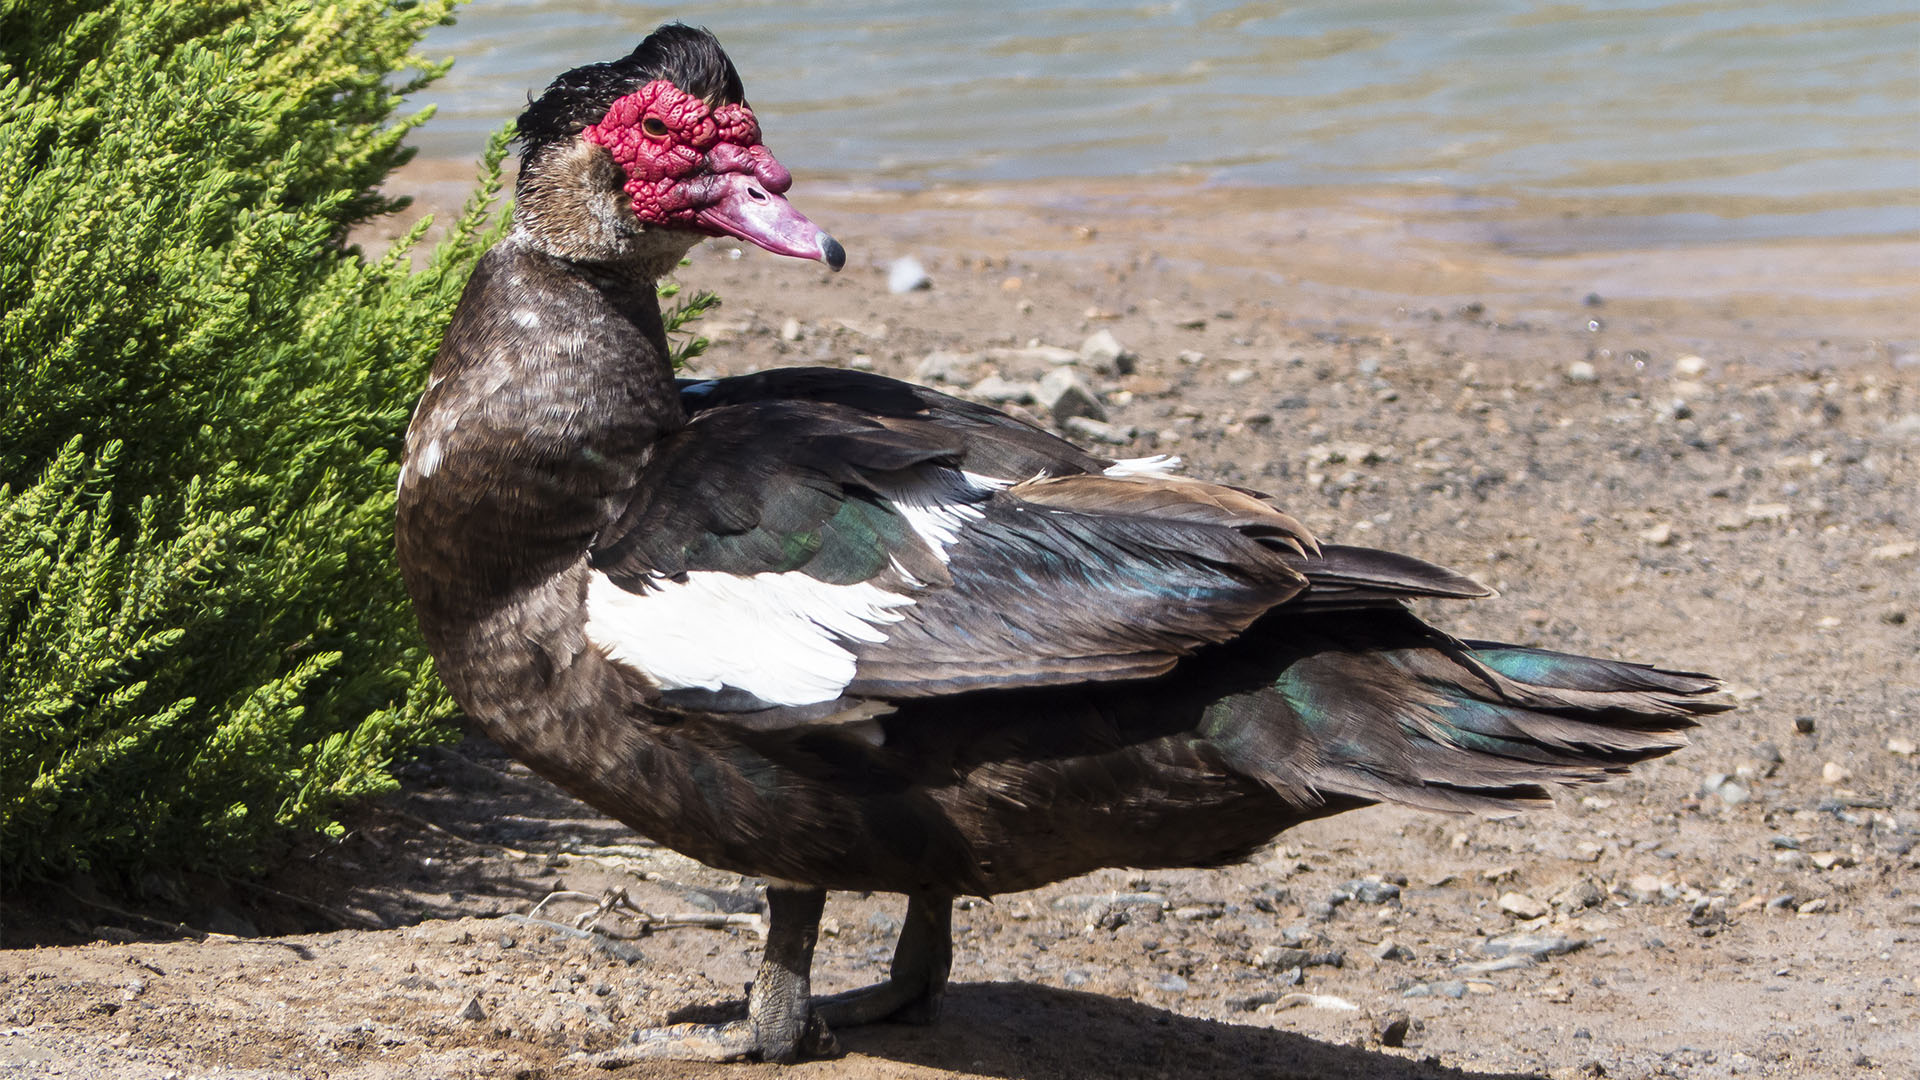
1539 127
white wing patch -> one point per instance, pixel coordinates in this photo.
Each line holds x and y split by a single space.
779 637
938 503
1157 465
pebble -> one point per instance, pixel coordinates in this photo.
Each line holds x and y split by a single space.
946 367
1104 353
905 274
1768 511
1707 911
1368 891
1281 957
1812 907
1582 372
1315 1001
1532 943
1098 431
1034 354
1660 535
790 330
1579 895
1520 905
1835 773
1391 1029
472 1010
998 391
1903 747
1064 394
1803 725
1510 962
1239 375
1390 949
1899 549
1172 984
1690 367
1452 988
1646 889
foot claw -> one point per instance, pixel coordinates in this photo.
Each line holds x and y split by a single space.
733 1041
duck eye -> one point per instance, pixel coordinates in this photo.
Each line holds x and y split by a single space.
654 126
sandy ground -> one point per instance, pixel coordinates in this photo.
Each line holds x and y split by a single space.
1706 458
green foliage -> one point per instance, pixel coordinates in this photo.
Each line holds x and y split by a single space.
686 310
203 639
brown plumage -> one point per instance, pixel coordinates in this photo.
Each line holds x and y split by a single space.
838 631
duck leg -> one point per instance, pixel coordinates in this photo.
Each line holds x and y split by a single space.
780 1025
917 979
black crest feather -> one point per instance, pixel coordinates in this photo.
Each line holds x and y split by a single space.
690 57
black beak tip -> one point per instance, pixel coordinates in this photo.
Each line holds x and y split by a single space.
831 252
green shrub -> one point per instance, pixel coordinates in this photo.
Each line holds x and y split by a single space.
203 640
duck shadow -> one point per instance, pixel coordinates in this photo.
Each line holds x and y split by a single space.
1021 1031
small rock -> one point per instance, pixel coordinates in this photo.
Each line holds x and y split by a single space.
1034 354
1281 957
1586 851
1781 903
1580 895
1390 949
1733 793
1690 367
1899 549
1104 353
1582 372
946 367
1368 891
1391 1029
1250 1002
998 391
1452 988
1065 395
1646 889
1521 906
790 330
472 1010
1902 746
1316 1001
1511 962
1834 773
1660 535
1532 943
1812 907
1827 860
1239 375
1803 724
1768 511
1099 431
1172 984
905 274
1708 911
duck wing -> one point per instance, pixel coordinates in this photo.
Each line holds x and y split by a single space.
796 553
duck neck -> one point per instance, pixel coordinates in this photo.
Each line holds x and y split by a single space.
551 386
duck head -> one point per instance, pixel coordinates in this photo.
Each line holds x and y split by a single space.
636 160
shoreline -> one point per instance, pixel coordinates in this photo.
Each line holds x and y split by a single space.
1346 256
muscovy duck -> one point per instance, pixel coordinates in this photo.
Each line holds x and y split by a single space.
843 632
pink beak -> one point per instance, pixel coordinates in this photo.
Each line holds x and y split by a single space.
739 205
